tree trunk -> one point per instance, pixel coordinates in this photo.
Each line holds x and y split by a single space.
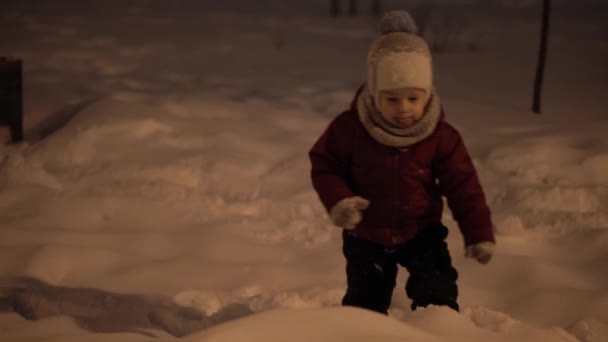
334 8
11 102
542 57
352 7
376 7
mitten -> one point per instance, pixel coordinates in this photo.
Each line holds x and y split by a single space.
481 251
347 213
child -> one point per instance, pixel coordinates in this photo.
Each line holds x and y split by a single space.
381 169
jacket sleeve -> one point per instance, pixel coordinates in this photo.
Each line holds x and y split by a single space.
330 160
459 183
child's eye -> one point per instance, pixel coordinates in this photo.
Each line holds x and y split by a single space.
413 99
392 99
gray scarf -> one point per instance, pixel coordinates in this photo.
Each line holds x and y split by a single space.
387 134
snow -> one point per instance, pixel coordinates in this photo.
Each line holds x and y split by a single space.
175 195
328 324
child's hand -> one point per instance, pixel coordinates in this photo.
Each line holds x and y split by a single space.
482 251
347 213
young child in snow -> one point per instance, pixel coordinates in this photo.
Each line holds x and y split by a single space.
381 169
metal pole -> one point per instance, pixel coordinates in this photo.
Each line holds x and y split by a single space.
542 57
11 98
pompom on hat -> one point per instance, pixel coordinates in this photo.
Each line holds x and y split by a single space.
398 57
397 21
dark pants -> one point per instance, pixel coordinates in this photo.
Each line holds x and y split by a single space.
371 271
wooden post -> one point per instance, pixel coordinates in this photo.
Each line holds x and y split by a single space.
334 8
352 7
376 7
11 102
542 57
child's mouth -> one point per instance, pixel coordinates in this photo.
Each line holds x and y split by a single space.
403 121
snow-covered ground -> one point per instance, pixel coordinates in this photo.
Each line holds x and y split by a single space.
180 175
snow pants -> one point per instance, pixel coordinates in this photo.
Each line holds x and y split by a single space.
371 271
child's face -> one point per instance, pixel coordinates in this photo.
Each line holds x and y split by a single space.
402 107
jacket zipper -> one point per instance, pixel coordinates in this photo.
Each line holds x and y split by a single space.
396 187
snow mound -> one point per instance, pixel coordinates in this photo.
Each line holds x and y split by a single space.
559 199
491 320
53 263
319 325
510 225
589 330
556 184
481 324
552 160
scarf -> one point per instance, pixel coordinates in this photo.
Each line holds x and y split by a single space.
387 134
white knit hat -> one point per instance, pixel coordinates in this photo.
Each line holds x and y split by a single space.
399 57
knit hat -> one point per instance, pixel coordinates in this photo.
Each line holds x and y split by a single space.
398 57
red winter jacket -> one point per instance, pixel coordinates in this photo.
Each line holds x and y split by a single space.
404 187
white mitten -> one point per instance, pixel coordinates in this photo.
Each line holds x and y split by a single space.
481 251
347 213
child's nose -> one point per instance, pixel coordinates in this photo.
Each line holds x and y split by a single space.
403 106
